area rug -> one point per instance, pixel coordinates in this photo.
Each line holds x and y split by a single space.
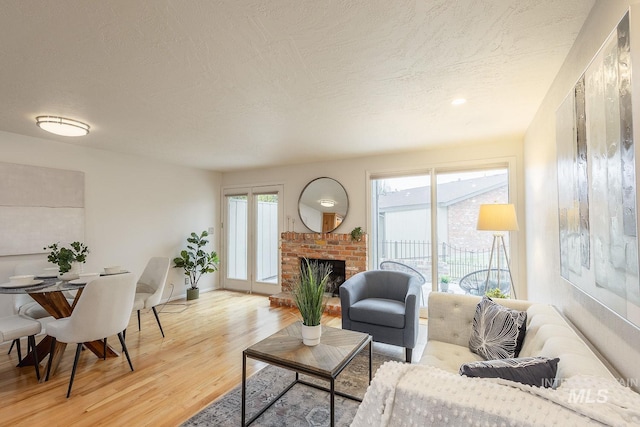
300 406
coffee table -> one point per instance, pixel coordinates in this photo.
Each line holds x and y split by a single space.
326 360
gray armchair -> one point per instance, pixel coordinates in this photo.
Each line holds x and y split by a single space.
384 304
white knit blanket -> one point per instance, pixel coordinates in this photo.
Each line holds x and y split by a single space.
416 395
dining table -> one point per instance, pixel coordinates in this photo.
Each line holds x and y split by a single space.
51 293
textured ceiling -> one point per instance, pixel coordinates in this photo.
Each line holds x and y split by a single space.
237 84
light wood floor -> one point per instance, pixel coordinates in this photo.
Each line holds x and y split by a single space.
199 360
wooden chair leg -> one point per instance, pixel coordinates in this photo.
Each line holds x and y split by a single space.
75 365
124 349
104 349
51 352
158 320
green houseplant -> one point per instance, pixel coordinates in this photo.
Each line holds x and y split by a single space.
496 293
195 262
356 234
65 257
444 283
308 296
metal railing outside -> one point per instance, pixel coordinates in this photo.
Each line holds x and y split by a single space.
453 261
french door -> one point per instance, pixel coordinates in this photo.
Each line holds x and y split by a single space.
252 226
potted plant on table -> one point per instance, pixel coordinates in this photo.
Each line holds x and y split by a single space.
195 262
308 295
444 283
67 258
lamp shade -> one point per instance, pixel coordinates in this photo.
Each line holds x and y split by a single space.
497 217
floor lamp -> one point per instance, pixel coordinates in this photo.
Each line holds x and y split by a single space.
498 218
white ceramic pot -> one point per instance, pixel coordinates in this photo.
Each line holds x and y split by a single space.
73 274
311 335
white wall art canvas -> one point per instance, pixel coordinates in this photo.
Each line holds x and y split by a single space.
39 206
597 180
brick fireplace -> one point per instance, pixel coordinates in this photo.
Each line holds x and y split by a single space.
326 246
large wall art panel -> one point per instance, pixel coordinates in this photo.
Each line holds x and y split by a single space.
597 180
39 206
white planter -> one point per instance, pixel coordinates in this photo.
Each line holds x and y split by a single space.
311 335
74 273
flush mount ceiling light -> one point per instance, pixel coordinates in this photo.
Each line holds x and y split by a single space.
327 203
62 126
458 101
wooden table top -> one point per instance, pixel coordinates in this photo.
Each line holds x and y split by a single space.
285 348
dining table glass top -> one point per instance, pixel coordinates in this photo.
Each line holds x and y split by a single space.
47 283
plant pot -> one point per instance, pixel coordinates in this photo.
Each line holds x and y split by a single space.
311 334
444 287
193 293
73 274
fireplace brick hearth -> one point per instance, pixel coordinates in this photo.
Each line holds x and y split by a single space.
330 246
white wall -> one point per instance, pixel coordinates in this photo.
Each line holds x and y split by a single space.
353 175
615 338
135 207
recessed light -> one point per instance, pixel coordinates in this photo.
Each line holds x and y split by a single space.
458 101
62 126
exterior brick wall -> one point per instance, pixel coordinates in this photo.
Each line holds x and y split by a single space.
463 217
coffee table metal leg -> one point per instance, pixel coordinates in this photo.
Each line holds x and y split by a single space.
370 358
333 398
244 385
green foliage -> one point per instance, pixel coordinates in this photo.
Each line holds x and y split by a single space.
308 291
496 293
64 257
194 260
271 198
356 233
445 279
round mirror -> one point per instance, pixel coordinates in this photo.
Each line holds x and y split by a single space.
323 205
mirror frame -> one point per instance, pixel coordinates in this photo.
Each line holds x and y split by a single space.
329 193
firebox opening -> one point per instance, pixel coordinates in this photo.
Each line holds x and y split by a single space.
337 276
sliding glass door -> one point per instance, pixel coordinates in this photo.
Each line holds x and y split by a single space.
432 231
463 252
252 225
401 225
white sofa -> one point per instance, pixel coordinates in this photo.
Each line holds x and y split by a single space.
548 334
433 392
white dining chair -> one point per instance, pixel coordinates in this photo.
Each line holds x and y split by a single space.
15 327
150 287
103 309
25 305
